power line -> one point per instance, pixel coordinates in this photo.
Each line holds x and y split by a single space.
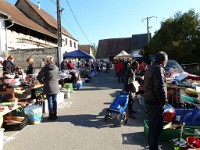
67 23
77 22
53 2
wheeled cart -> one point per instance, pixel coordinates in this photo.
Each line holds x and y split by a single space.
117 109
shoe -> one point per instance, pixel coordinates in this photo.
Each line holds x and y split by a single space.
51 117
55 117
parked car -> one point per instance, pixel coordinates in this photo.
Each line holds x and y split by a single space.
172 63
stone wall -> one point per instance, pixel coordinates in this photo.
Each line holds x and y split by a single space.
36 54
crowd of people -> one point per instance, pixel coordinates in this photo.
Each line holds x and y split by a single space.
48 76
130 73
151 79
152 86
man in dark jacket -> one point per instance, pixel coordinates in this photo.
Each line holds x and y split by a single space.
155 95
48 75
64 64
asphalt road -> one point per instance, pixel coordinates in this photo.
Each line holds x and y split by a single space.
81 125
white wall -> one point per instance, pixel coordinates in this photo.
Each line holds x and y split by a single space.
66 46
2 36
15 41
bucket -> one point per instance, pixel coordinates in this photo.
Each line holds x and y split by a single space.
1 138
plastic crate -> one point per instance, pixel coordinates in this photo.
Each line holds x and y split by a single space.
16 127
166 135
191 131
69 86
191 117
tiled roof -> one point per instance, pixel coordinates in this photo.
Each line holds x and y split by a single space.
85 48
112 47
48 18
19 18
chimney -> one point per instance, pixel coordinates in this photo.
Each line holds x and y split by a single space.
38 5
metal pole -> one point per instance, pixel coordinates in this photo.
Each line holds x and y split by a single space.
148 37
148 27
59 33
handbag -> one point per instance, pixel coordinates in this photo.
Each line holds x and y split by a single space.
134 86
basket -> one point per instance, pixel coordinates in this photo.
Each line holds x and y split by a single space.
166 135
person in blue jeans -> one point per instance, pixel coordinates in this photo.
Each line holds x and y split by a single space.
48 76
155 96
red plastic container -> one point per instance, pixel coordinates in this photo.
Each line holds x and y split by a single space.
193 142
168 116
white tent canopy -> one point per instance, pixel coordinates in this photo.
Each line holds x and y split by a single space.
137 56
123 54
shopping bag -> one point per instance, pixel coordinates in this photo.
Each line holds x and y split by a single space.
134 86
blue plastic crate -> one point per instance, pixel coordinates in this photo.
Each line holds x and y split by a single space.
188 116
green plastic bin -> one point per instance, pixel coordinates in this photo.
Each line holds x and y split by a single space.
69 86
190 131
166 135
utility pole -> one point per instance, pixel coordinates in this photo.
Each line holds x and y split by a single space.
59 33
148 27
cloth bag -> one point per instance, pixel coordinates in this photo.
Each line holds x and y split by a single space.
134 86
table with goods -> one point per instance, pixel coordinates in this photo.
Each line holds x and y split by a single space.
17 97
182 114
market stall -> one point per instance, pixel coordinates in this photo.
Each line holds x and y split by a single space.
83 72
123 55
182 114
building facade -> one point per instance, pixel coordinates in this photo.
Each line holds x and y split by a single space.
25 26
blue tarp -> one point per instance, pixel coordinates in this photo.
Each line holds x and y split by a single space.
77 54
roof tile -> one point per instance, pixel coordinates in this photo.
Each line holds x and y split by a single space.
19 18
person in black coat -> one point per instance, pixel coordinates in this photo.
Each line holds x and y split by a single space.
30 69
63 64
48 76
128 87
9 66
155 96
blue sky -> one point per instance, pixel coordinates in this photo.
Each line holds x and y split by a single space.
103 19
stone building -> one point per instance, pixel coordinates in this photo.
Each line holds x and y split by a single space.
25 26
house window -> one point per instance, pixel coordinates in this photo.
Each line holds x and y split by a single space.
70 43
74 44
66 41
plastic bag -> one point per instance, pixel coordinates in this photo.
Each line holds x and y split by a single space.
33 113
168 108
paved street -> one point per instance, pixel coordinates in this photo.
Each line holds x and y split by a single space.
81 125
